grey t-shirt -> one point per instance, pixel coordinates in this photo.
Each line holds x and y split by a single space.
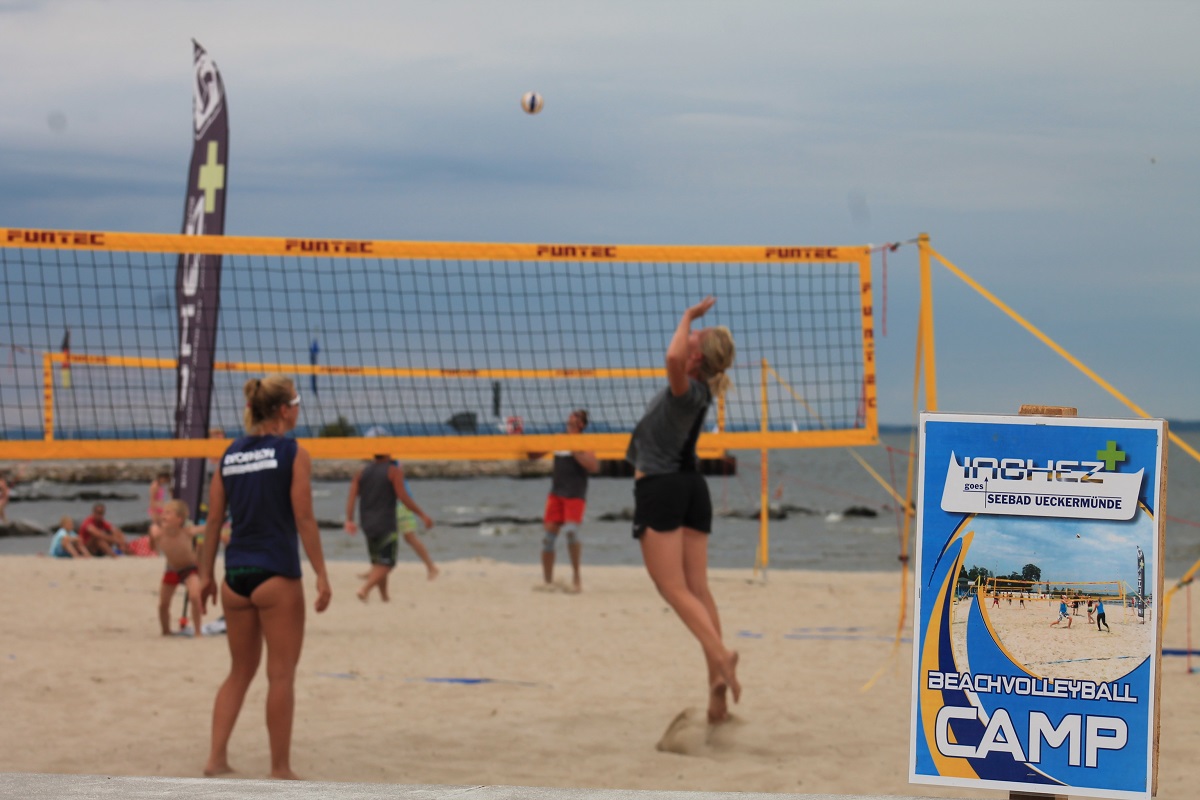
376 500
660 441
570 478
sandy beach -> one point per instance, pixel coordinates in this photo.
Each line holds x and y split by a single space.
1081 651
476 678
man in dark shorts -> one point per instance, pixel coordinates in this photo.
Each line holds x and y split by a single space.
566 502
378 486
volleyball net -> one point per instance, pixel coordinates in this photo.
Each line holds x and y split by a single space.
442 350
1113 592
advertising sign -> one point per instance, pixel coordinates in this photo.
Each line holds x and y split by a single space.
1039 573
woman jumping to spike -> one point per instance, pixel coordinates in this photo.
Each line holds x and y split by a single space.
672 508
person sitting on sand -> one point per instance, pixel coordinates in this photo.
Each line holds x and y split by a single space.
65 543
672 515
377 487
1062 613
99 535
175 539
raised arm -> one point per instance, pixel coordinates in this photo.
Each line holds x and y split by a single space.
679 355
306 525
587 459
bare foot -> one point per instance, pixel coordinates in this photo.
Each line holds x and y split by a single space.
212 770
285 775
432 573
361 595
729 676
383 594
718 710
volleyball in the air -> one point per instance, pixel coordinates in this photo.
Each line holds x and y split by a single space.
532 102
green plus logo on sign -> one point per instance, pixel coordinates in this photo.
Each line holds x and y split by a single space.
212 178
1110 455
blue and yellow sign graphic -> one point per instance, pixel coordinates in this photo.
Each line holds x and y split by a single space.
1037 638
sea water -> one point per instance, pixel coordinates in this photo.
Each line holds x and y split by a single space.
499 517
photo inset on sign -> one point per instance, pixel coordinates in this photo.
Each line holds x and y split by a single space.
1061 601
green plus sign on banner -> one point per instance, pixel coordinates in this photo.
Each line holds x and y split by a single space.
211 178
1110 455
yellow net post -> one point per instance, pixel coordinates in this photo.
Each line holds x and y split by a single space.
926 324
764 540
48 392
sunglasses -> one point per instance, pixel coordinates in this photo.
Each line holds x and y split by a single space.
295 401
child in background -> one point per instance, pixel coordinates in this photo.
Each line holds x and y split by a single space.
173 538
65 543
160 493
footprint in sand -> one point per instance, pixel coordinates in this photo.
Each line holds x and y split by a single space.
557 586
691 734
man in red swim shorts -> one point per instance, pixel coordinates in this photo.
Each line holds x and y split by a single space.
567 500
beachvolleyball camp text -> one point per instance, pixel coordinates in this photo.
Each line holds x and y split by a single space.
1025 686
1084 735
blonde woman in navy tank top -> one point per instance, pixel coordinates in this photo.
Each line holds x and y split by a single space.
266 480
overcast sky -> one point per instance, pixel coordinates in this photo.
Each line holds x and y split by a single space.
1100 551
1048 148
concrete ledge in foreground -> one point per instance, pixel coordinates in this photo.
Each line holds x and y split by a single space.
29 786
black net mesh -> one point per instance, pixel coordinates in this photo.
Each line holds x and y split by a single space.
414 347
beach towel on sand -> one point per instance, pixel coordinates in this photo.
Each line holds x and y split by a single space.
140 546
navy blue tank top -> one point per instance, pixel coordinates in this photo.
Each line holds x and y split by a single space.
257 474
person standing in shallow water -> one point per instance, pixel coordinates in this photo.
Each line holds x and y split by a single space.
672 515
266 479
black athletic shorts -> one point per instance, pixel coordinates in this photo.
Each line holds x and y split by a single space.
244 580
382 549
674 500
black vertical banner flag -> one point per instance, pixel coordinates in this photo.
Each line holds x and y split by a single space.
198 277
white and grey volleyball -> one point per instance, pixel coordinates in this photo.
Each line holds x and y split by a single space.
532 102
